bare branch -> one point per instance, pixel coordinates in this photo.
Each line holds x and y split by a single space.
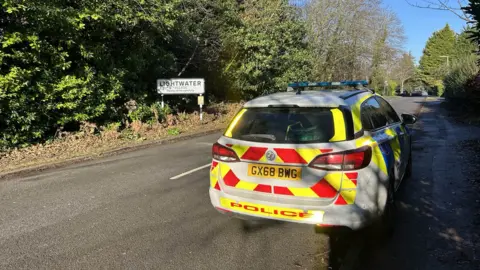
189 61
445 6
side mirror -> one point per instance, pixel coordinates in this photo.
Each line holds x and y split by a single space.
409 119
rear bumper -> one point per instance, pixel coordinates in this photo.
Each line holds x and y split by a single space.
350 216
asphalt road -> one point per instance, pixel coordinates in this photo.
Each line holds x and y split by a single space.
437 217
125 212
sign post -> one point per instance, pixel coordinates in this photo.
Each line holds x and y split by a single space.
200 103
183 87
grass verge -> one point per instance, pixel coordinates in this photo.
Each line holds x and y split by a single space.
92 142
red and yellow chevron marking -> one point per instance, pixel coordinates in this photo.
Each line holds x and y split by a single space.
284 155
214 176
327 187
348 193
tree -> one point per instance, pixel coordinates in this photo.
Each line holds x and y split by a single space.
267 50
439 49
464 45
352 39
462 70
63 62
473 10
405 69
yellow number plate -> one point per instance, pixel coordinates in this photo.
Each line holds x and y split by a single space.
277 172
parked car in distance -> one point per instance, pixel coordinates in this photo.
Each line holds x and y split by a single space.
417 93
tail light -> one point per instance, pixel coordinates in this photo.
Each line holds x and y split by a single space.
225 154
344 161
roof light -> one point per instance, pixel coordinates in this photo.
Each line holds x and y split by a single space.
324 84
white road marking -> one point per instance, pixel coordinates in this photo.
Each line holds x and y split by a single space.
205 143
191 171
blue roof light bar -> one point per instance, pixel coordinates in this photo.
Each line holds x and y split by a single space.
324 84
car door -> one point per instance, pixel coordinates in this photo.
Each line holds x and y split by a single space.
375 123
400 142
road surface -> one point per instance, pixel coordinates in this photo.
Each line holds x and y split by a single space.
126 212
438 217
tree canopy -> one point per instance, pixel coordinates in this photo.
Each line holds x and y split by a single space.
439 49
65 62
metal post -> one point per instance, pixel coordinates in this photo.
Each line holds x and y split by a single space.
201 113
163 104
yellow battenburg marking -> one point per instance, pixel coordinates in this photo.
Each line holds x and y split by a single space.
377 158
303 192
395 144
347 183
308 154
240 150
390 132
349 195
334 179
357 122
339 124
246 185
232 125
364 141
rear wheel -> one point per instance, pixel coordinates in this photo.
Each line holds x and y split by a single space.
386 223
408 170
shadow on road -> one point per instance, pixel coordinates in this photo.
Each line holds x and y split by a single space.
437 206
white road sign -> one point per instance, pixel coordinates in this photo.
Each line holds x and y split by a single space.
181 86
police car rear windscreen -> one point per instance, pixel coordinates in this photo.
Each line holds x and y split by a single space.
285 125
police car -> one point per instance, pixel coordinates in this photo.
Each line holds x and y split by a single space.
325 157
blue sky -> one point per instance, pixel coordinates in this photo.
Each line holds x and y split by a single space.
419 23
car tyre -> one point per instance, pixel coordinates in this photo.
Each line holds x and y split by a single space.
386 222
408 170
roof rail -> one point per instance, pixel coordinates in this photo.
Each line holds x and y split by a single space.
298 86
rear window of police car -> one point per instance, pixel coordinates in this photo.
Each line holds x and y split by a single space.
285 125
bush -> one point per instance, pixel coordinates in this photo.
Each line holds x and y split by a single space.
173 131
150 114
392 86
440 89
143 113
472 91
159 112
462 71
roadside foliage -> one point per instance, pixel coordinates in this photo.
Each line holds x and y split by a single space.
67 63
